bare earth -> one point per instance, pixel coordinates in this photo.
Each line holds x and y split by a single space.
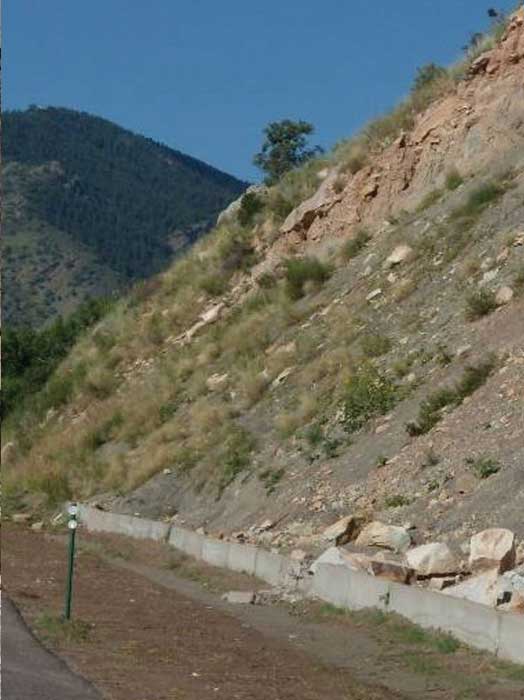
158 630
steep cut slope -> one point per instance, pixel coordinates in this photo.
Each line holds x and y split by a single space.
90 207
384 376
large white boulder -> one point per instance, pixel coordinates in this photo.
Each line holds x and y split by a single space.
493 549
378 534
435 559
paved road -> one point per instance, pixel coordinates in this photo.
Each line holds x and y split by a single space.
29 672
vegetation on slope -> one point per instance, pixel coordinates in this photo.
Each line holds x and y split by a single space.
152 391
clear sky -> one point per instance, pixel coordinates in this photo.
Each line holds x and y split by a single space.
205 76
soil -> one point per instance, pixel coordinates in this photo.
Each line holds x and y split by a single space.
159 630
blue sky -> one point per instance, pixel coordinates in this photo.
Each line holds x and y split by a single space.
206 76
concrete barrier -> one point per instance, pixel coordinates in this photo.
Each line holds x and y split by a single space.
187 541
269 567
474 624
479 626
140 528
242 558
215 552
511 637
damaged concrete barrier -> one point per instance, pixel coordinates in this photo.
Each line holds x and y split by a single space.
140 528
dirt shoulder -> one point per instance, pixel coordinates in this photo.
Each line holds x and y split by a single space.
152 626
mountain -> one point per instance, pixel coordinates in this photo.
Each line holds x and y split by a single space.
353 344
90 207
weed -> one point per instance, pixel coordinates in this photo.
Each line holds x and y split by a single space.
483 467
443 356
315 434
429 200
431 458
104 432
299 271
368 394
355 245
480 303
213 284
54 485
382 460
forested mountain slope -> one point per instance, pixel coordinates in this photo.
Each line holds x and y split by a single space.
90 207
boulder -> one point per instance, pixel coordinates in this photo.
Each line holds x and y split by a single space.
21 517
319 204
435 559
344 530
391 570
378 534
240 597
493 549
504 295
340 557
400 254
216 382
481 589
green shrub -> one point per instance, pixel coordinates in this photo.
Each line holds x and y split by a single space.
236 457
484 467
302 270
368 394
250 206
271 478
396 501
480 303
453 179
355 245
431 410
54 485
213 284
426 75
478 200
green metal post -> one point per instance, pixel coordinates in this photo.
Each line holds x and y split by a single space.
70 568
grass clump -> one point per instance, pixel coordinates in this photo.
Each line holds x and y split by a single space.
271 478
62 632
300 271
103 433
453 179
481 197
355 245
396 501
250 206
375 345
236 458
480 303
368 394
431 410
484 467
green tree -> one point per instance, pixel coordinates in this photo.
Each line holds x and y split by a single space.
285 147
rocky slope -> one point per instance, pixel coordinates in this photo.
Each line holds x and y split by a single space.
389 383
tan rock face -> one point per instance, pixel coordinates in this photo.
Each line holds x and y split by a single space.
493 549
435 559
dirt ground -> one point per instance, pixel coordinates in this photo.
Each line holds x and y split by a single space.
150 625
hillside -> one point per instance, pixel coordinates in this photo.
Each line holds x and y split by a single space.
354 346
90 208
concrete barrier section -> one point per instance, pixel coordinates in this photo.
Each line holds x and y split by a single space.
242 558
140 528
511 637
269 567
474 624
215 552
187 541
367 591
331 583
